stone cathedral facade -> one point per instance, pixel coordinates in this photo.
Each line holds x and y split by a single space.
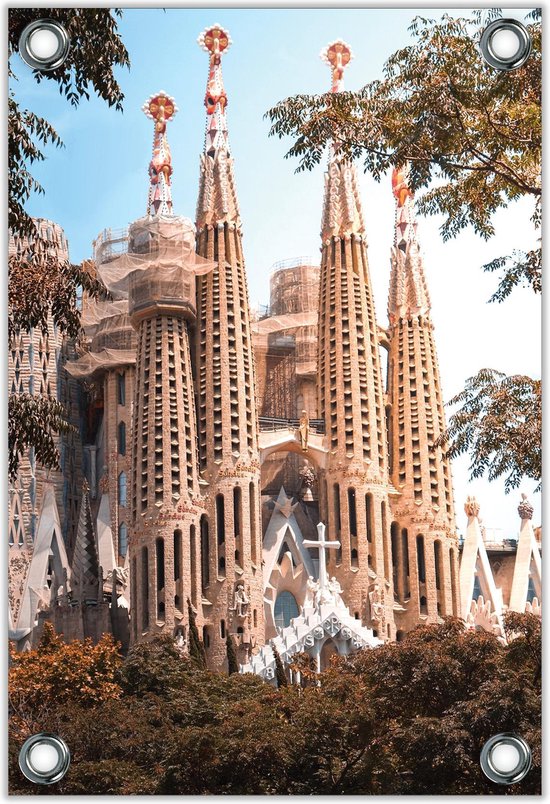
258 469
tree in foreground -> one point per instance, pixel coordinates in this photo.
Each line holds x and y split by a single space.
280 674
232 663
472 136
406 718
196 648
41 285
499 424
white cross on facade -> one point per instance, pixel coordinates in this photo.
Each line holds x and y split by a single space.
323 544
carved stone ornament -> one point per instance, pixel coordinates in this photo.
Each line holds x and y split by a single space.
471 506
525 509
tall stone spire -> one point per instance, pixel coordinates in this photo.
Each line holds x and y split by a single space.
228 440
217 201
424 546
351 399
160 108
408 290
165 497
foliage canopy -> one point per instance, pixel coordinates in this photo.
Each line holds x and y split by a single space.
41 284
406 718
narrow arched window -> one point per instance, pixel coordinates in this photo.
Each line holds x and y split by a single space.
145 587
121 388
205 552
352 511
122 539
421 561
122 489
122 438
220 518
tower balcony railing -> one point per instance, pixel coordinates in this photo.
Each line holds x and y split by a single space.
269 424
294 262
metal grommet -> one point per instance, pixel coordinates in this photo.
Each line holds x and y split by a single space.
505 758
505 44
44 758
44 44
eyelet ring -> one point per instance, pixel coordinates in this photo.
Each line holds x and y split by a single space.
44 44
506 61
46 766
505 758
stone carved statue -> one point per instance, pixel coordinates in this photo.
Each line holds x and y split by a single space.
304 430
179 638
336 590
376 604
119 577
240 601
308 478
312 587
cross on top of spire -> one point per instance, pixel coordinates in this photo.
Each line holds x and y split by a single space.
337 55
160 108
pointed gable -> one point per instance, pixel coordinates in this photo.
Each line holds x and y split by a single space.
85 567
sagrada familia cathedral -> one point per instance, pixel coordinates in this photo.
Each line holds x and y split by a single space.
254 470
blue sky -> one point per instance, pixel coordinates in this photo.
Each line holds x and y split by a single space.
100 178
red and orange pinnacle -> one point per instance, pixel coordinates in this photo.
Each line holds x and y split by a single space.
400 187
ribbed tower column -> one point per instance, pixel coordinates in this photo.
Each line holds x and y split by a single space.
165 495
228 444
423 531
350 394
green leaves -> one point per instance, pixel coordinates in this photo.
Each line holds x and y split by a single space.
471 134
35 421
41 284
499 424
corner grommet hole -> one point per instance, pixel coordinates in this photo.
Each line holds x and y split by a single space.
43 44
505 44
43 758
505 758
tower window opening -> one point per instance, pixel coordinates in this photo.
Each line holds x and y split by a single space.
253 527
220 518
437 561
352 512
370 518
145 587
337 519
177 555
122 489
205 552
121 388
421 559
122 539
122 438
453 579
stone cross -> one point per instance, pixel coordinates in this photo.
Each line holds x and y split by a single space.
323 544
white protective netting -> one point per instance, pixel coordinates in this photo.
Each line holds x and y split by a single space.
114 332
96 311
92 363
280 323
160 263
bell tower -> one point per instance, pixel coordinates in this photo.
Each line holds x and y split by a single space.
423 532
226 402
165 497
351 399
